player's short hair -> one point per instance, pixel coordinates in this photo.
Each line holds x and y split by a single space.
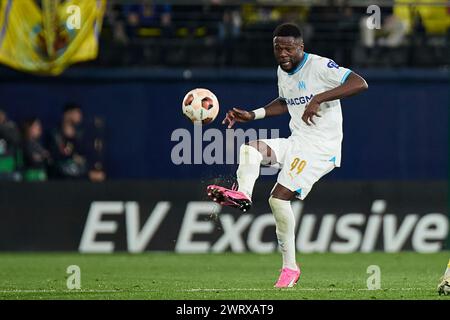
287 30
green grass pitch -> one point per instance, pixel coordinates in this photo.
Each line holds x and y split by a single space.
230 276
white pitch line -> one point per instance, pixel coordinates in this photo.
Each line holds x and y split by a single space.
305 289
293 290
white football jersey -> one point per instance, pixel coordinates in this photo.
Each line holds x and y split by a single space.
314 75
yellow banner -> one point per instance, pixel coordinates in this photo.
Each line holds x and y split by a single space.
47 38
435 14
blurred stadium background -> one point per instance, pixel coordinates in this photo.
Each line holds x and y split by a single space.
87 120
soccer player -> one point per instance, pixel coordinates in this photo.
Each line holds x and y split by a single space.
444 286
310 87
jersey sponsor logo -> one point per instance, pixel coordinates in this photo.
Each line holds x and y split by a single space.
332 64
299 100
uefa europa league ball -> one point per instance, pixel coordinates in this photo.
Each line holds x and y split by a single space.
200 106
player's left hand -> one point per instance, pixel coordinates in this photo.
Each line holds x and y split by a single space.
311 110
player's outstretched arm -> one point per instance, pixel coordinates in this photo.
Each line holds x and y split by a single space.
353 85
274 108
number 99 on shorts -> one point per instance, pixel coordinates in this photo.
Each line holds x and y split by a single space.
297 165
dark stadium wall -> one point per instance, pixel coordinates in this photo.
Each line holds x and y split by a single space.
398 129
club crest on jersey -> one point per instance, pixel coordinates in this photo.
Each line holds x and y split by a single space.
302 85
332 64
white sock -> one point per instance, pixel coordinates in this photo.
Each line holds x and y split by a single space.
285 228
248 170
447 271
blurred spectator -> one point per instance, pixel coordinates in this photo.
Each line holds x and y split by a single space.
168 32
418 31
299 16
393 32
347 29
66 146
324 20
391 42
9 149
116 19
367 35
229 33
417 39
147 19
384 46
146 14
167 26
94 150
149 33
230 27
36 159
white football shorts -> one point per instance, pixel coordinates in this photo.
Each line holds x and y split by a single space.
300 167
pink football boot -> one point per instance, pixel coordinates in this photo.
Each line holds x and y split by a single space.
229 197
288 278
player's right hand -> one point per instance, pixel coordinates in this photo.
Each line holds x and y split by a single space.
237 115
